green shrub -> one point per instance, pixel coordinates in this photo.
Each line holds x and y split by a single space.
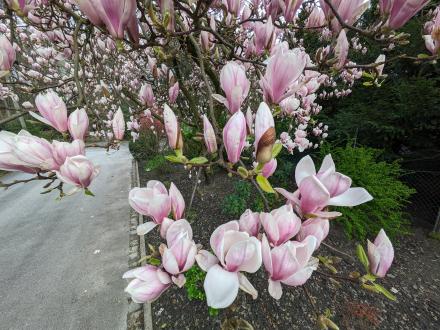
155 162
381 180
146 146
236 203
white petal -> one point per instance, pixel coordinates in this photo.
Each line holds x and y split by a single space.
327 164
352 197
247 286
145 228
206 260
40 118
221 287
305 168
275 289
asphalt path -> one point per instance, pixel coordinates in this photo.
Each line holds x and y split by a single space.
61 262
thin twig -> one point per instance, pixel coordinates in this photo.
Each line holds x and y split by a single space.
194 189
338 251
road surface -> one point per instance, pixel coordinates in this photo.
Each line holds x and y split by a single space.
61 262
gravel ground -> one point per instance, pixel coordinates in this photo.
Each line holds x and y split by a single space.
414 278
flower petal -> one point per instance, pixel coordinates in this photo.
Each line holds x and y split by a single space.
305 168
247 286
352 197
275 289
206 260
221 287
145 228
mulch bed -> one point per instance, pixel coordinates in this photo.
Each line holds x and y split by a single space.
414 277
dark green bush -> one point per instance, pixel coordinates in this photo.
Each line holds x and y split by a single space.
236 203
381 180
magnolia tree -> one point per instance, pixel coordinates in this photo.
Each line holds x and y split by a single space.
243 77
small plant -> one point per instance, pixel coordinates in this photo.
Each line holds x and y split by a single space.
155 162
194 287
381 179
194 283
235 204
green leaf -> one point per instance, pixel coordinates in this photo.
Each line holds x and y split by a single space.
154 261
243 172
88 192
423 56
198 160
265 184
277 147
368 83
362 257
367 75
385 292
212 311
173 159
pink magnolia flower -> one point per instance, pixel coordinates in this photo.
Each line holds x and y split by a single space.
341 50
264 36
8 159
53 111
349 11
209 136
34 152
62 150
173 92
179 256
269 168
281 224
234 136
318 190
290 104
172 128
400 11
116 15
78 124
432 33
88 9
282 71
118 125
7 56
78 171
249 121
23 7
148 283
264 134
237 252
232 6
316 18
316 227
290 263
250 222
146 95
291 7
152 201
235 84
380 254
177 202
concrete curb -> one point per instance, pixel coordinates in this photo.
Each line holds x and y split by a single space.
139 315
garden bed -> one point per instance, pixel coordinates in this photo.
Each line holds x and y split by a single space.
414 277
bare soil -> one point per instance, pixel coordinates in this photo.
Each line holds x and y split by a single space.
414 277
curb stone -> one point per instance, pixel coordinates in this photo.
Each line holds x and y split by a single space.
139 315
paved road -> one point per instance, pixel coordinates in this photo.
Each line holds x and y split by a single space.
61 262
